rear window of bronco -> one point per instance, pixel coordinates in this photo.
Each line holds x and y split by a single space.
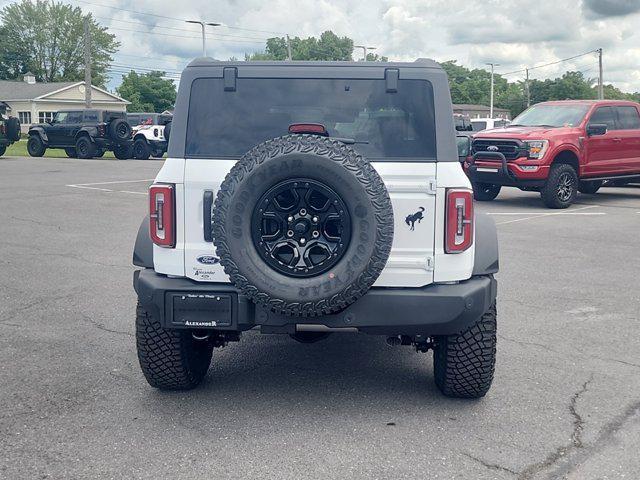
384 125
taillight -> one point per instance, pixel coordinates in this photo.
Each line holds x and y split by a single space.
459 220
162 221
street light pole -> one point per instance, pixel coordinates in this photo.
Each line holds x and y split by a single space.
364 49
493 65
204 37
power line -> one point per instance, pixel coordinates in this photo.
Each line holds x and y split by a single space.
550 63
137 12
180 36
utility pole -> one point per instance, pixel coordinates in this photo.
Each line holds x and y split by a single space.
364 49
526 87
87 64
600 80
204 36
289 49
493 65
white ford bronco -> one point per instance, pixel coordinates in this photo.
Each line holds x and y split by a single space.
150 134
307 198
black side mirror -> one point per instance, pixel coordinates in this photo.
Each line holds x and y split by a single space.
596 129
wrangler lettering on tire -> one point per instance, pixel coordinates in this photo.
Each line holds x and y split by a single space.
303 225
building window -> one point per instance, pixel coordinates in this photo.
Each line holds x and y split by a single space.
25 118
45 117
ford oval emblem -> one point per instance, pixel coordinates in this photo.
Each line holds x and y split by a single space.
208 259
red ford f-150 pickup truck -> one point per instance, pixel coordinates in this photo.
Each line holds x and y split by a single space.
558 148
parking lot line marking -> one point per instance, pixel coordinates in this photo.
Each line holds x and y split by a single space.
110 183
545 215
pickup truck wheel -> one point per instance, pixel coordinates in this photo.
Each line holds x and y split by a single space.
303 225
485 192
123 152
141 149
3 148
170 359
589 187
85 148
463 364
561 187
35 146
71 152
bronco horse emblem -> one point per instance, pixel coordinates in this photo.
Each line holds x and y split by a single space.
413 218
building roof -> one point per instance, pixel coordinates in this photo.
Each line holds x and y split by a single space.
19 90
470 106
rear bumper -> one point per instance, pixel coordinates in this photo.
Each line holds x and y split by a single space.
432 310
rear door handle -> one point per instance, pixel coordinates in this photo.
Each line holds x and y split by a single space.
207 203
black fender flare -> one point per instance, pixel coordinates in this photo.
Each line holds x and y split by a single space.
41 132
486 259
143 250
90 132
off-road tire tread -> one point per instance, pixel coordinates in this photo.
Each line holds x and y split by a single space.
170 359
146 152
368 178
549 192
464 364
40 152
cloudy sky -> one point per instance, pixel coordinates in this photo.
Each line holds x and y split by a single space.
513 33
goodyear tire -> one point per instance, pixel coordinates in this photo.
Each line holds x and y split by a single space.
463 364
13 129
170 359
303 187
35 146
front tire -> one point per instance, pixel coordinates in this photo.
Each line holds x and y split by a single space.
35 146
71 152
170 359
463 364
141 150
589 187
485 192
561 188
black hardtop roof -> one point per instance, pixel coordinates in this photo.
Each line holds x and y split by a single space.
210 62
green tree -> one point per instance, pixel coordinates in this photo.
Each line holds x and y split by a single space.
327 47
149 92
46 38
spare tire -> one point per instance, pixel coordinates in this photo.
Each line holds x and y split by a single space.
13 129
303 225
120 130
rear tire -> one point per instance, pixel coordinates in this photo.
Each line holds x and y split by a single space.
35 146
561 188
3 148
122 152
99 153
463 364
71 152
485 192
141 150
589 187
85 148
170 359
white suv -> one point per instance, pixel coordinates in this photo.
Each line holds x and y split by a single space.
307 198
149 139
479 124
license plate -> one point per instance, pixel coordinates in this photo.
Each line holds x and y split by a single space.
491 170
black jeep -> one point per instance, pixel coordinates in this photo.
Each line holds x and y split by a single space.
9 129
83 134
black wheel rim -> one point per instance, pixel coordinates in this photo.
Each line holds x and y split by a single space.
301 227
566 185
121 130
138 150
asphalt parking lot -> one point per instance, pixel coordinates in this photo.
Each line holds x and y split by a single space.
565 402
